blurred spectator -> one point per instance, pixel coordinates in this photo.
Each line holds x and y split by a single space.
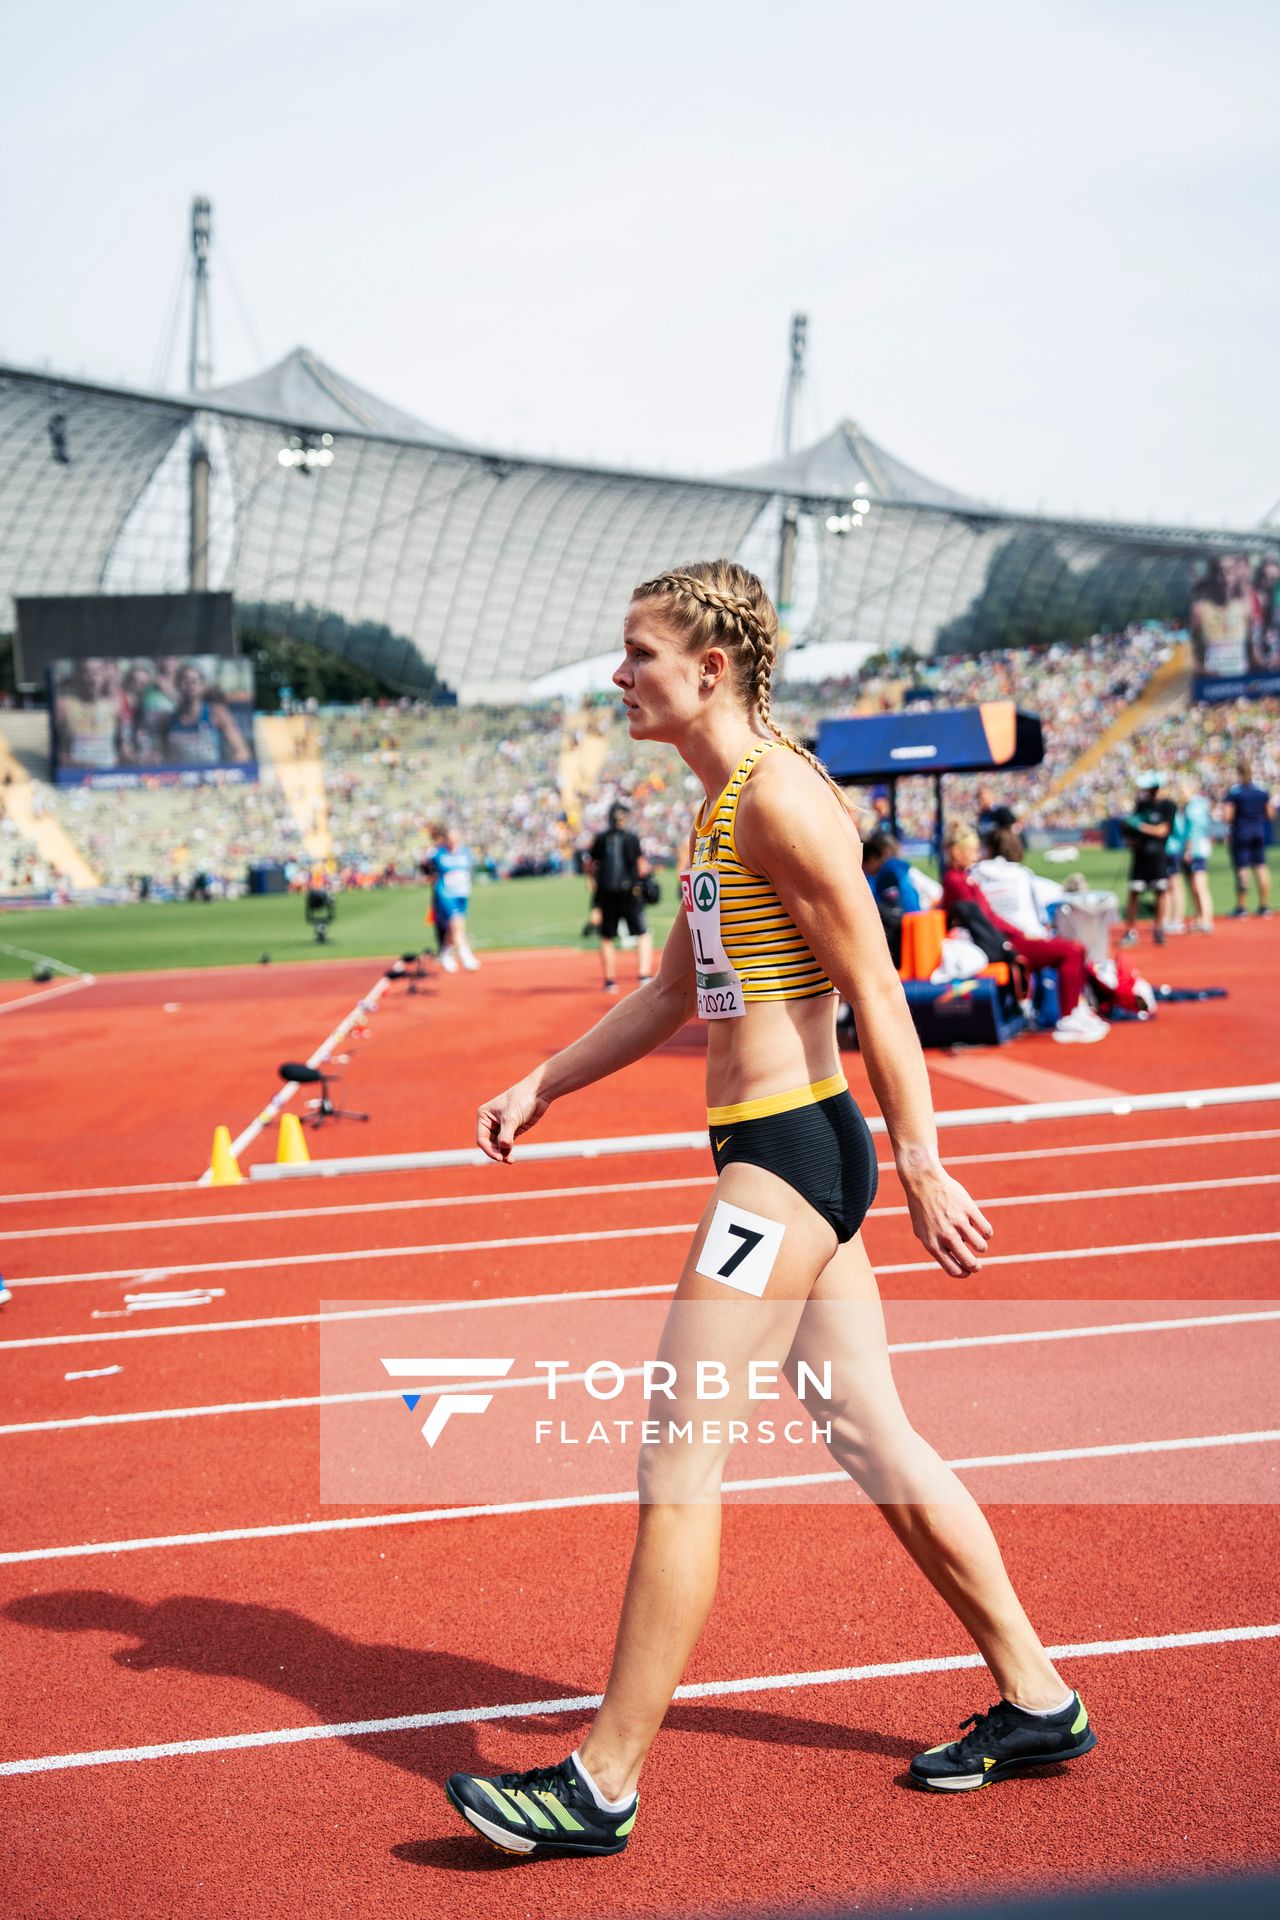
1147 829
1076 1021
1188 848
1249 815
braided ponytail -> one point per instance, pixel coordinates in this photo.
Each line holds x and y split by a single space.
719 603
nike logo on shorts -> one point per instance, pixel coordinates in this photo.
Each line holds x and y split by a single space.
722 1144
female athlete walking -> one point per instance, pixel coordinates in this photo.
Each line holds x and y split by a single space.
779 919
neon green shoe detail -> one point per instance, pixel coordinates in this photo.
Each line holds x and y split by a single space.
535 1814
561 1813
500 1800
1081 1720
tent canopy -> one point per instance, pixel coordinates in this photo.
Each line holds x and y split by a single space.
992 738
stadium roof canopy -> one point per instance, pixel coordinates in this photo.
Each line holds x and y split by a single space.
409 550
303 390
847 462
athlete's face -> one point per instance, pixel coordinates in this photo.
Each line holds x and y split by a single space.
658 678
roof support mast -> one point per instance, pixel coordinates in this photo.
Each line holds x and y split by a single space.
790 508
199 373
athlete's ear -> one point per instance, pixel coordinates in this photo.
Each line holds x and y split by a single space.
713 665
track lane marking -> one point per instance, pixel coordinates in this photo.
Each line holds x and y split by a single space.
587 1702
320 1317
950 1344
503 1509
1149 1143
260 1263
1265 1095
380 1207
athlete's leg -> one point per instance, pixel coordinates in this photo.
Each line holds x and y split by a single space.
607 962
1177 914
676 1558
1262 880
928 1507
1203 898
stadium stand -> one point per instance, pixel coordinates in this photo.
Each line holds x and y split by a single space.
367 790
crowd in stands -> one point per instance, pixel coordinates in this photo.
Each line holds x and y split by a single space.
152 839
23 869
391 784
395 775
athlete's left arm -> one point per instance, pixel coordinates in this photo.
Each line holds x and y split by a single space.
232 738
793 828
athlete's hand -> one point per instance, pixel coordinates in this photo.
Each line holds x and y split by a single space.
501 1120
947 1222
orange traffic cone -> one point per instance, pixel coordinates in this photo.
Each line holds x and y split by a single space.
291 1149
223 1170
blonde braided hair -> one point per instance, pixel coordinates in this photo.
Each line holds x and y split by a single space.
719 603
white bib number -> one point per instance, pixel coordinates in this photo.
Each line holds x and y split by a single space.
719 988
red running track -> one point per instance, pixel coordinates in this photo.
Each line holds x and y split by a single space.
777 1798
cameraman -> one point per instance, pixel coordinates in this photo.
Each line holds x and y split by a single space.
617 870
1147 829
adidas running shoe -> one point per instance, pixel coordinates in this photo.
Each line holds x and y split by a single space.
547 1811
1004 1740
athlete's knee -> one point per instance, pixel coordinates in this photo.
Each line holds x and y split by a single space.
867 1443
681 1468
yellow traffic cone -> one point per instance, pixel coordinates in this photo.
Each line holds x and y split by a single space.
222 1162
291 1150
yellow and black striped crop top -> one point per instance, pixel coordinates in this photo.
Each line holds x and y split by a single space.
761 940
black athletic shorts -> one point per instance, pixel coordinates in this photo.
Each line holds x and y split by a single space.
615 908
821 1147
1149 872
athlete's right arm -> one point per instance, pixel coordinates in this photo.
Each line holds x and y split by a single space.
628 1031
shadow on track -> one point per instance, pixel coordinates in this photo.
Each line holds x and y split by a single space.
339 1680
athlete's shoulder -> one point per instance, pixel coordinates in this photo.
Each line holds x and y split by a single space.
787 802
784 780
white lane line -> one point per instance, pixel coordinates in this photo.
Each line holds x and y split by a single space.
92 1373
1149 1144
99 1193
505 1508
642 1229
360 1207
598 1293
594 1191
294 1260
1153 1143
1030 1337
43 995
587 1702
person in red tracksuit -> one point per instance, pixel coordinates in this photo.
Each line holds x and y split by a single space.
1067 957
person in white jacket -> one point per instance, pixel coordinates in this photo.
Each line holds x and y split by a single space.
1015 893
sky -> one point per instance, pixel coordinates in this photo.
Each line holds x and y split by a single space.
1036 242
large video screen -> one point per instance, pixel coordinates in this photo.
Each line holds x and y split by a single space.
1235 627
127 719
51 628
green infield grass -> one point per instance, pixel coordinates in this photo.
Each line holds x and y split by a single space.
545 912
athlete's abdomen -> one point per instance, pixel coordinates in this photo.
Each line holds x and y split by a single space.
776 1044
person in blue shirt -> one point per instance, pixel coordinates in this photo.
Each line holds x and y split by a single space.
889 874
892 888
451 895
1249 817
1188 850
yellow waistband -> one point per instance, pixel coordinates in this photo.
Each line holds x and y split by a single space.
770 1103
